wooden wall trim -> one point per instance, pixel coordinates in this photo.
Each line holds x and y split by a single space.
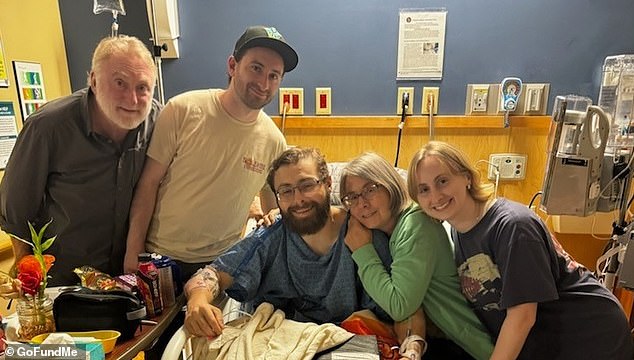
412 122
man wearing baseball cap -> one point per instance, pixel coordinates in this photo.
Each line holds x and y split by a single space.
208 159
266 37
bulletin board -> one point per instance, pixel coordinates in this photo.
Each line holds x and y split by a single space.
30 85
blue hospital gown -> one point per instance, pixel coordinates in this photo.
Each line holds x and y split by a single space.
275 265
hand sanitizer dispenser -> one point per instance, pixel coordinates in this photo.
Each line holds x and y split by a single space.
510 90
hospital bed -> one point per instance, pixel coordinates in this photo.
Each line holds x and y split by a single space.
179 346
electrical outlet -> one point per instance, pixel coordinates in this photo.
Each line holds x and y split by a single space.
399 100
427 92
323 100
509 166
477 99
294 97
536 99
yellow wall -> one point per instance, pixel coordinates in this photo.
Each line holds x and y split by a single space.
342 138
31 30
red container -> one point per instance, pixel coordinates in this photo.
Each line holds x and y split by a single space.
148 283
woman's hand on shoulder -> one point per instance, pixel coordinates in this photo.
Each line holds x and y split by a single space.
358 235
268 219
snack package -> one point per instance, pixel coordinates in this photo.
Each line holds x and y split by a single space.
95 279
127 282
364 322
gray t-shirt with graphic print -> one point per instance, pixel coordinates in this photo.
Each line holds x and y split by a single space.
509 258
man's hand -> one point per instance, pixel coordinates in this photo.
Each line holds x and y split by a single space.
130 262
202 318
358 235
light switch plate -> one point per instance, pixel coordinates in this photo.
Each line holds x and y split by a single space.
536 99
323 101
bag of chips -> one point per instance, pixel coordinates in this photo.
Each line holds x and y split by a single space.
95 279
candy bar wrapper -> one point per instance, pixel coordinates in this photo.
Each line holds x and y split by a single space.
126 282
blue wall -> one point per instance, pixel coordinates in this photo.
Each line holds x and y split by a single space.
351 45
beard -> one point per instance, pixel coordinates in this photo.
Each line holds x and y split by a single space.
120 118
130 123
312 224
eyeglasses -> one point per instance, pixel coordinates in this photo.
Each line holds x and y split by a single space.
305 187
368 193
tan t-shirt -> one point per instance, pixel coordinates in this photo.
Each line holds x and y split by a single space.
217 165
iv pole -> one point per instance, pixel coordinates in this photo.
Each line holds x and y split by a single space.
156 51
620 229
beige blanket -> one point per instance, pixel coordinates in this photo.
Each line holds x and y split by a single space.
268 335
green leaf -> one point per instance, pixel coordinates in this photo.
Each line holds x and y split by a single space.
42 230
34 237
47 244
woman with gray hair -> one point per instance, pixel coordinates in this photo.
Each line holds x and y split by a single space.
422 271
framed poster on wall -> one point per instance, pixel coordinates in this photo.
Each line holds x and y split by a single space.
28 77
421 44
8 132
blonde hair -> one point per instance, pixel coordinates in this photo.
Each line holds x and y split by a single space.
458 164
374 168
122 44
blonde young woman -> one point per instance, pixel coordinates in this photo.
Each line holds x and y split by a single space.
422 270
536 301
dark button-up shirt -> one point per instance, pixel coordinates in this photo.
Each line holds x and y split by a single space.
61 169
